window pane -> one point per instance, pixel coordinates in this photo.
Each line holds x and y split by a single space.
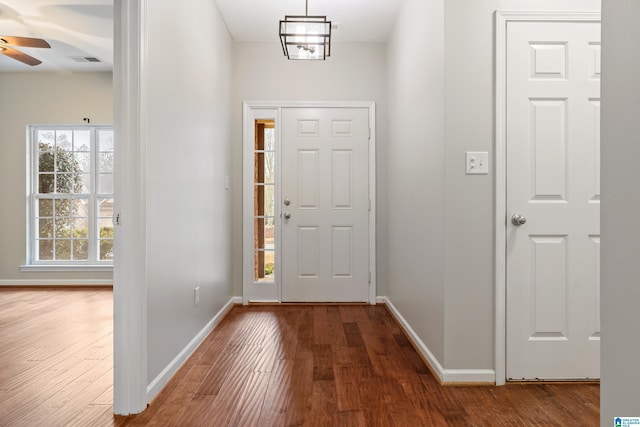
105 208
106 227
46 182
45 207
45 228
80 227
82 161
106 250
105 183
258 175
81 140
63 249
270 139
269 167
62 228
66 183
45 160
106 162
64 140
258 227
264 266
45 250
80 207
83 183
46 137
105 140
62 207
269 199
81 249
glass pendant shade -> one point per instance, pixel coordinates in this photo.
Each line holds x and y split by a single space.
306 37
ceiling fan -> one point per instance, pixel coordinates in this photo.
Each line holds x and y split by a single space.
6 49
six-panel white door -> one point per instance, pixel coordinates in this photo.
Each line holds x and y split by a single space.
553 173
325 205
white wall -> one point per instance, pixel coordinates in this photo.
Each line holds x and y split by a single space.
354 72
620 289
415 204
441 103
469 204
40 98
188 153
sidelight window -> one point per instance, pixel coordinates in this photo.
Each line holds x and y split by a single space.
264 201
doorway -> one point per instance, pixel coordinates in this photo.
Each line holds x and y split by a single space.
309 193
547 177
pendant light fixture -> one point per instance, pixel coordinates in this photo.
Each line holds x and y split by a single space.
305 37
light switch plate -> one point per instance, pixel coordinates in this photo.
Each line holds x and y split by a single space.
477 162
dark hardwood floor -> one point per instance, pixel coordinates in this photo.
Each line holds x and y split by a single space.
331 365
323 365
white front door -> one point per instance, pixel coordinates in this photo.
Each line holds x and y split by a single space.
325 204
553 173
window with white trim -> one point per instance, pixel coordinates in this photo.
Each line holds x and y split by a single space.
70 195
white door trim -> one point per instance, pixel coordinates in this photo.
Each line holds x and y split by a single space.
502 19
251 109
129 271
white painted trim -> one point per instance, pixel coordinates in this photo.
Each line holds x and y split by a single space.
250 111
67 268
469 376
372 197
502 19
446 376
381 300
167 373
129 272
58 282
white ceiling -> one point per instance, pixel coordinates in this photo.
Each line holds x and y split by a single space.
73 28
84 28
359 20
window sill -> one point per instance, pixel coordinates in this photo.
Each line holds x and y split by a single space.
65 268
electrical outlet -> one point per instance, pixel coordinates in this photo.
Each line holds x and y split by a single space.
196 296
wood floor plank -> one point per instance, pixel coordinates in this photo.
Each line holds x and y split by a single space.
249 407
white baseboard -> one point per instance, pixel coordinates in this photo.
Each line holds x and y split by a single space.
446 376
167 373
469 376
57 282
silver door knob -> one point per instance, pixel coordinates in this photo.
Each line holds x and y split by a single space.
287 202
518 220
286 215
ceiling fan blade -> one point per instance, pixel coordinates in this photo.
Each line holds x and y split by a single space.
25 41
19 56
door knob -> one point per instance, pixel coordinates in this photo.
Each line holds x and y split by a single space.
286 215
518 220
287 202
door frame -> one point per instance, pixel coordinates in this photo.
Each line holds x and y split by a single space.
252 110
502 19
129 271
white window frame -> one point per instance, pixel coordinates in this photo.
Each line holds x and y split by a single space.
93 263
